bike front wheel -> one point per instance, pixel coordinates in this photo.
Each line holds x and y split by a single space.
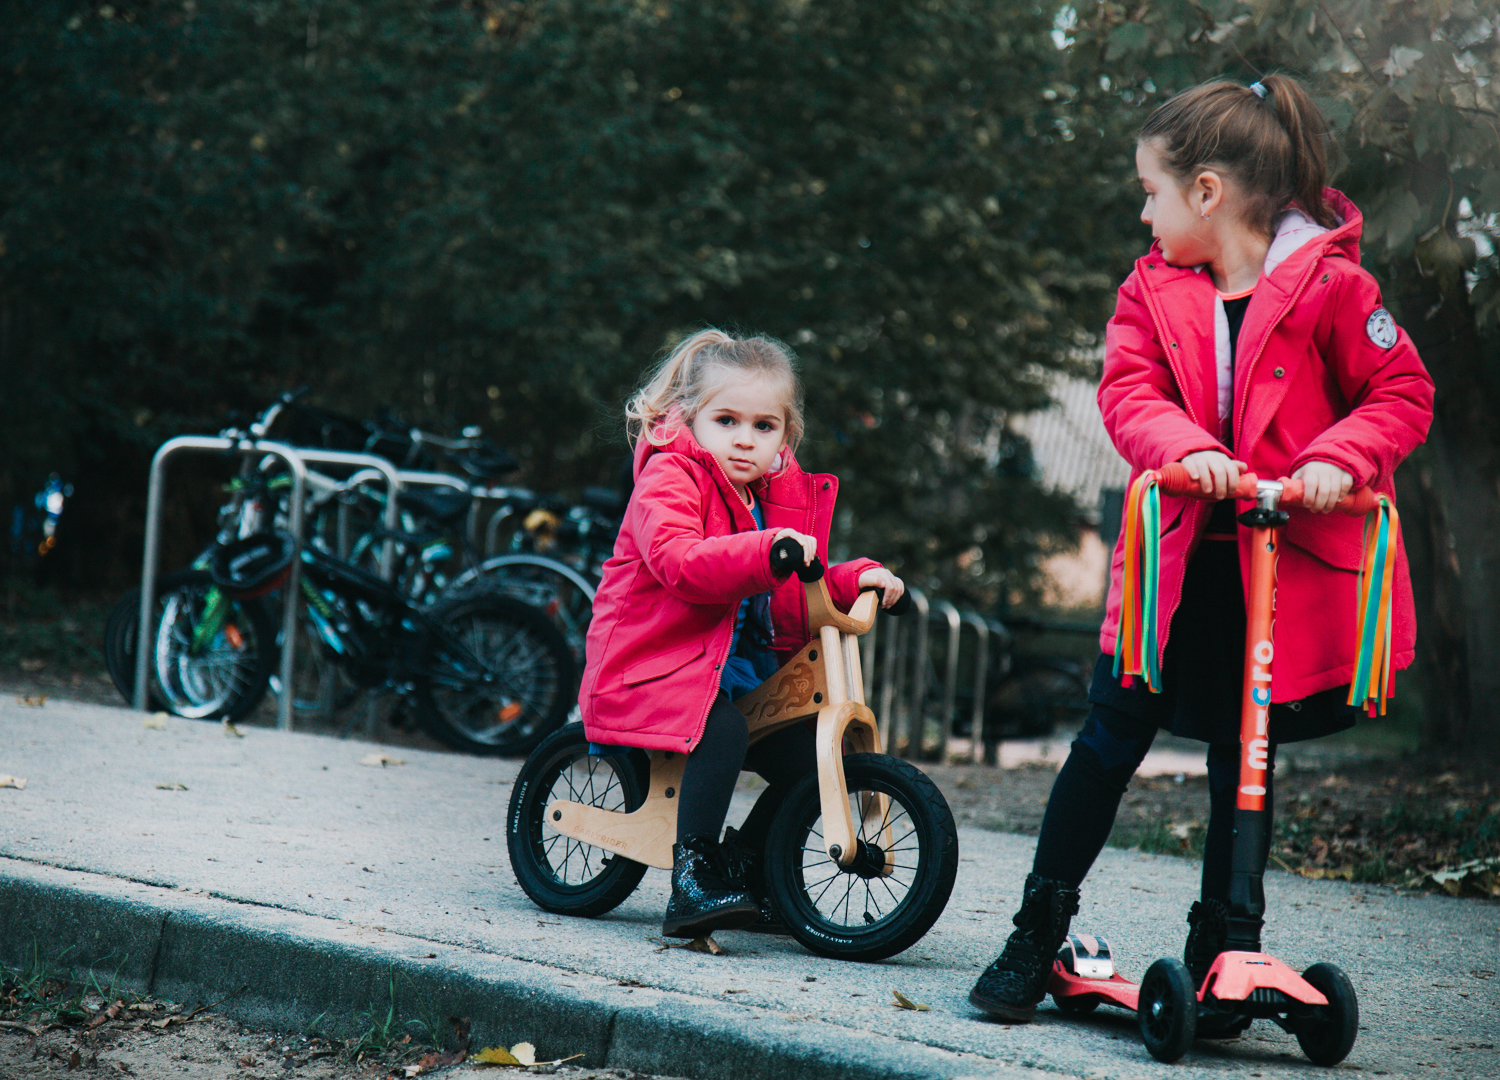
211 655
498 676
900 879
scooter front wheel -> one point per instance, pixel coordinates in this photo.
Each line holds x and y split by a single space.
1329 1035
1168 1010
897 885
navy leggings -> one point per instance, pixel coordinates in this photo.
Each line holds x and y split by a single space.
1086 797
714 766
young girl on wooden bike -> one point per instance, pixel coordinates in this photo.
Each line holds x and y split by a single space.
690 613
1248 338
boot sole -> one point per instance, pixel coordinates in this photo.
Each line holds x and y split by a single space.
729 917
1004 1012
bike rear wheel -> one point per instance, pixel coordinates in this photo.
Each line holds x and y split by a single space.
497 679
561 874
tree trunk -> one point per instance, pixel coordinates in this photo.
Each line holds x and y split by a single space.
1459 615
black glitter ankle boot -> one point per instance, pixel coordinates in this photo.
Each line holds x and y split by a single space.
703 898
1011 987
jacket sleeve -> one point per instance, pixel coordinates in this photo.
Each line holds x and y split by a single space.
1138 397
695 568
1389 390
843 581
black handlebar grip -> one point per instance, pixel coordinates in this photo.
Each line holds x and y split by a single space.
786 554
900 607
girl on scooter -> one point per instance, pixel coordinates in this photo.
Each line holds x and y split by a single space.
690 613
1247 338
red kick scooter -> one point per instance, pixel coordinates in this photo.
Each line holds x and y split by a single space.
1244 984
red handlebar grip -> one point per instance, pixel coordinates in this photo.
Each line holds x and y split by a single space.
1173 479
1356 503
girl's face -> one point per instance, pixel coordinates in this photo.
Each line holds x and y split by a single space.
743 425
1175 211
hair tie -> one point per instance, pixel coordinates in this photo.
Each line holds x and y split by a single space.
1259 90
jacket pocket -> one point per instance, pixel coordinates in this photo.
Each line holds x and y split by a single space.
664 663
1335 538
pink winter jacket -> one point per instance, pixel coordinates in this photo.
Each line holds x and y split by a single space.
1321 374
687 554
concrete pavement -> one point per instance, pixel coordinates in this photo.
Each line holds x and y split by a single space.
198 864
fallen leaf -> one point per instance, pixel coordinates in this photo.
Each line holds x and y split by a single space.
17 782
707 944
106 1015
156 722
171 787
230 729
436 1060
30 701
524 1052
73 1060
496 1055
904 1002
380 760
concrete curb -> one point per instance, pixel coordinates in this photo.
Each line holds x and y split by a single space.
286 970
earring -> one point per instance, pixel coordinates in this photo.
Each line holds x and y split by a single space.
1205 215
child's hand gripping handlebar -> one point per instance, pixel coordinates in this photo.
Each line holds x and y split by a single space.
1174 479
786 555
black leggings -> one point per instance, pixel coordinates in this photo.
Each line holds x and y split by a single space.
714 766
1086 796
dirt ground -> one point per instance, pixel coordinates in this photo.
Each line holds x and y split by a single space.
208 1047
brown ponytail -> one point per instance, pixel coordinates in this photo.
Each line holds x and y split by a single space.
1275 147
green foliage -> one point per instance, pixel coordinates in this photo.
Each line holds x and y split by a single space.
498 212
1408 87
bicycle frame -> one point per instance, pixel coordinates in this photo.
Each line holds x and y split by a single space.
824 680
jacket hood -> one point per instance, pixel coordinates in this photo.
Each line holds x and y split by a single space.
1342 239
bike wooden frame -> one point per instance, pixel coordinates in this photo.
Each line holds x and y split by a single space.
823 680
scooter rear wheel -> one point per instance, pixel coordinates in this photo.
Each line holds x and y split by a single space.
1328 1037
1168 1010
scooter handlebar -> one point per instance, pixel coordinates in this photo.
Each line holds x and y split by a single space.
1174 479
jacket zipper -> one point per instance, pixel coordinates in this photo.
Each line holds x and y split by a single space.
1244 403
724 657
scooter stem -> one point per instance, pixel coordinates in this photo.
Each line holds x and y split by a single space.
1252 821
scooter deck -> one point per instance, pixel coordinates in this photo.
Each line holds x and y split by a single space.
1084 976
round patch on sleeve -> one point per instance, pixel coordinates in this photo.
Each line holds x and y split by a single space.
1381 328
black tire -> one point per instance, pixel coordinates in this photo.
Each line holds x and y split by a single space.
1168 1010
525 689
1076 1005
801 878
1329 1035
225 681
560 874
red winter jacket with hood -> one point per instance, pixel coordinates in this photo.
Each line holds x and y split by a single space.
1321 374
687 554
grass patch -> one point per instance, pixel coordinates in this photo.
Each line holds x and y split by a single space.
1160 837
41 993
391 1040
45 629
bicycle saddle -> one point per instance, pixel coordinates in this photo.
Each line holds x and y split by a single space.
446 506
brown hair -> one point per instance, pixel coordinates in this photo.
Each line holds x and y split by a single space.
697 368
1275 147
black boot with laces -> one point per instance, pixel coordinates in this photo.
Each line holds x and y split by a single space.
703 897
1016 982
745 862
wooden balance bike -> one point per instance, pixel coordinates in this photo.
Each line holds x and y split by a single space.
1244 984
860 858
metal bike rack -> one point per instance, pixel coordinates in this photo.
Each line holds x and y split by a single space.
954 621
981 669
543 561
916 715
144 645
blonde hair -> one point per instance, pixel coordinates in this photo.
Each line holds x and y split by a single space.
697 369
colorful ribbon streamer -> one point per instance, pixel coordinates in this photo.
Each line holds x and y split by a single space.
1371 685
1136 651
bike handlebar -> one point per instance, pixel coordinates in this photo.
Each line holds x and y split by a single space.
1174 479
